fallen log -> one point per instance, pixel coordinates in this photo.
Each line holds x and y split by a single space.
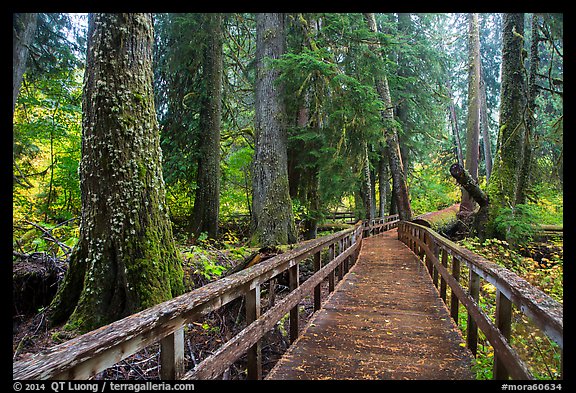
441 221
474 219
469 184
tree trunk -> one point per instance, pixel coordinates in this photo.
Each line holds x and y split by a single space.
207 201
473 189
23 29
383 184
441 221
454 122
126 259
473 127
507 165
525 170
273 221
484 127
367 186
400 189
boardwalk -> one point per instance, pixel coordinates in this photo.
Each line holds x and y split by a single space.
384 321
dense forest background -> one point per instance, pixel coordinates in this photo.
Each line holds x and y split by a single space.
332 111
369 115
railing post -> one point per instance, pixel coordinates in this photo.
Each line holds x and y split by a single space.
341 264
172 355
436 254
272 291
442 281
428 242
317 288
252 301
331 275
453 297
504 324
347 259
472 330
422 239
294 282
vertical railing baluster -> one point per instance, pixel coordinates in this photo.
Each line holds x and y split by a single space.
294 282
341 264
453 297
317 288
428 242
331 275
252 301
442 281
472 329
347 259
436 254
504 324
172 355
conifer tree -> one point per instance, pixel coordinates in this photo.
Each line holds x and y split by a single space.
126 258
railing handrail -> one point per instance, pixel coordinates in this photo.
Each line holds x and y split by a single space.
88 354
545 312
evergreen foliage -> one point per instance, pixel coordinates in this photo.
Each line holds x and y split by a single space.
332 117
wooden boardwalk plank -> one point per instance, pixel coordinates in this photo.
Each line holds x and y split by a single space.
384 321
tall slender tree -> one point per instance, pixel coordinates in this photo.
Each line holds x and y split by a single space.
207 201
473 124
400 188
272 217
126 258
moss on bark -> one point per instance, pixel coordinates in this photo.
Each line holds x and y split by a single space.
126 259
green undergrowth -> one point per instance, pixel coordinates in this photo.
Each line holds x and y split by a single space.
542 270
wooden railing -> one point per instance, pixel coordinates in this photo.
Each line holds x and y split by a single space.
93 352
444 258
335 216
379 225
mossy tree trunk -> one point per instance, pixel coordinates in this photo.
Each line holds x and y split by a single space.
524 178
126 258
272 217
504 181
207 201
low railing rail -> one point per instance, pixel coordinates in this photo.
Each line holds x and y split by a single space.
93 352
546 313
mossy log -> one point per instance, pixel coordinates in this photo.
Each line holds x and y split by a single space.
442 221
469 184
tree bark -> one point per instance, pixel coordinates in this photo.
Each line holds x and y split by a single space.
484 127
441 221
126 258
383 184
400 188
502 188
273 221
469 184
473 126
454 122
532 92
366 187
23 29
473 189
207 201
